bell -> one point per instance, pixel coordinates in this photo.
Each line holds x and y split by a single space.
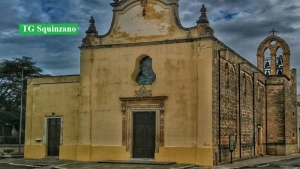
267 64
279 61
279 72
267 72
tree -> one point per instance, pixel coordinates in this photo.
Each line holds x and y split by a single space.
11 84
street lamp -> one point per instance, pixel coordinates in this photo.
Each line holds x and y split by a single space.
21 110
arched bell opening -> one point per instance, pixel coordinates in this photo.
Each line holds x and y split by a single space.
267 61
273 56
279 61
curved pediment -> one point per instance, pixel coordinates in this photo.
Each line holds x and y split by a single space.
143 21
140 21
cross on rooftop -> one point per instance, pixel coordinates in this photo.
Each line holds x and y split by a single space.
273 31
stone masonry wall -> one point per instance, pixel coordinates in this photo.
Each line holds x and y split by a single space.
275 114
236 102
246 108
260 115
291 114
229 116
282 116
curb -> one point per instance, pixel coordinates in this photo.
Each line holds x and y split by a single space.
186 167
267 163
56 167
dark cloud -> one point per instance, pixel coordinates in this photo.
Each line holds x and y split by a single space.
55 54
240 24
243 25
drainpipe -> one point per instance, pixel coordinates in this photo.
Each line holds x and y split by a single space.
219 88
253 110
266 110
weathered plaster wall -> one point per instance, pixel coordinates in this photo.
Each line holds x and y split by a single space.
108 75
50 97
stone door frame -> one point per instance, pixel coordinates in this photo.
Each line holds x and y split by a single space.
45 137
131 105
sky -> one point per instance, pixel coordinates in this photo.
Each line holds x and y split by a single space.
240 24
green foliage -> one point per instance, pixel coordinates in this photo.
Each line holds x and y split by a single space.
12 85
8 150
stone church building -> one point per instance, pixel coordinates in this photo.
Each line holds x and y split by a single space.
151 89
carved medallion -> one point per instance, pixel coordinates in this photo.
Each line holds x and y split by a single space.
143 92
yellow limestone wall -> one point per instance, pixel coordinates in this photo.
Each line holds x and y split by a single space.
51 97
204 151
106 76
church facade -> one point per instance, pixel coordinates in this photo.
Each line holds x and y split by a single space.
151 89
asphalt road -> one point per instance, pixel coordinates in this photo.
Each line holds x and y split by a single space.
286 164
8 166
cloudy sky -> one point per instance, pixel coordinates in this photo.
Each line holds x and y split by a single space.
240 24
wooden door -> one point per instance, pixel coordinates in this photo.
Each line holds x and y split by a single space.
54 132
143 135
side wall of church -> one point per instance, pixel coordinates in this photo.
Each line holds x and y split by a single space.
45 96
240 106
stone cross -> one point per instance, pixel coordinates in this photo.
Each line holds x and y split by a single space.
273 31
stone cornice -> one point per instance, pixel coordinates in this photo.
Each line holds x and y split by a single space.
143 98
146 43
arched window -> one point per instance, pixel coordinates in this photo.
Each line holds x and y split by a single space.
245 83
227 75
145 76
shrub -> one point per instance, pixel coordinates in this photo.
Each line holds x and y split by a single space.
8 150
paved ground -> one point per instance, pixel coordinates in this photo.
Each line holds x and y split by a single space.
48 163
286 164
256 162
18 163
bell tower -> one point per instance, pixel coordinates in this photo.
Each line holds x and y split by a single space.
273 56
